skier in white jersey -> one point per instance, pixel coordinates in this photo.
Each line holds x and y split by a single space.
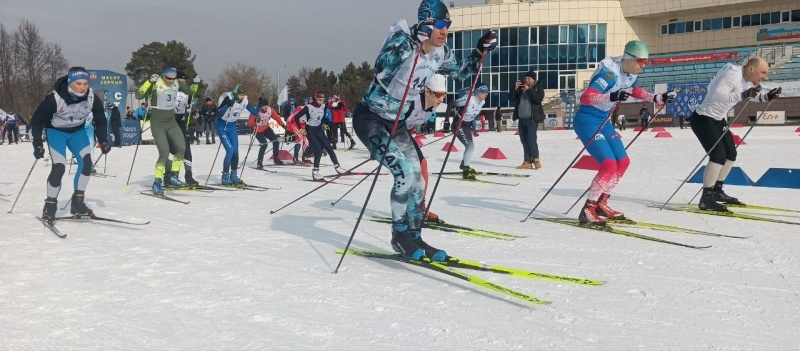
733 83
374 117
465 130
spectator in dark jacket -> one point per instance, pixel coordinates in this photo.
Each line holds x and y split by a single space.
528 95
288 108
209 115
644 115
498 119
339 109
116 124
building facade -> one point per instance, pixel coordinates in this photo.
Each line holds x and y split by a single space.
562 40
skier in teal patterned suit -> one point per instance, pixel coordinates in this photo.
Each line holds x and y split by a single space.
375 115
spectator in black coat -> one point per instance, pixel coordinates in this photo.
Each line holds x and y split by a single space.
528 109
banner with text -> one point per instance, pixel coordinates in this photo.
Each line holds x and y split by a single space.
677 60
689 96
772 117
781 32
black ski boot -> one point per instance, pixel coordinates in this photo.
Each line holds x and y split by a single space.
49 210
78 207
352 144
277 161
259 164
404 243
720 196
431 252
707 202
188 177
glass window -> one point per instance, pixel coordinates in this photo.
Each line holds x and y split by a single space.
601 51
552 35
726 22
755 20
533 55
504 36
746 21
737 22
522 56
563 51
785 16
671 28
495 57
706 24
581 53
775 17
512 56
795 15
513 36
716 24
601 33
689 26
542 54
503 81
582 31
593 32
680 28
563 34
552 80
458 44
495 82
591 52
523 36
573 53
534 35
552 54
697 26
765 18
573 34
503 56
543 35
663 30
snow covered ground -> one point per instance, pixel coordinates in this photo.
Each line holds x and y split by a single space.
222 273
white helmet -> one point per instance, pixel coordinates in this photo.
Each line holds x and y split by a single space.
437 83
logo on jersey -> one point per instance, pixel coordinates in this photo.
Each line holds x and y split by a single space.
610 75
437 57
602 83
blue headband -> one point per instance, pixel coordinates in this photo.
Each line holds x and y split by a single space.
77 75
481 90
169 72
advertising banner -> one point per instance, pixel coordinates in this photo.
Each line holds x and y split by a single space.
782 32
678 60
689 96
130 132
772 117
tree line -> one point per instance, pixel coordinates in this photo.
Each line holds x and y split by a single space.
29 65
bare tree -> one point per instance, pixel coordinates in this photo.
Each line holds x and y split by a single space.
7 71
254 80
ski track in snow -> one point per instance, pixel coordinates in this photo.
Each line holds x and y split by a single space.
222 273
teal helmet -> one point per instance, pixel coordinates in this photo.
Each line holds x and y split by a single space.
237 92
636 49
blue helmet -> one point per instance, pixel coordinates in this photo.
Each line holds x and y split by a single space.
432 9
481 89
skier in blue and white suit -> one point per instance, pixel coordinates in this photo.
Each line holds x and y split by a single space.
374 117
63 114
465 130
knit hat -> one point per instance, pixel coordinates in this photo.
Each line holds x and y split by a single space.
531 74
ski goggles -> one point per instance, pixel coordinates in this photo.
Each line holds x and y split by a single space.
641 61
439 24
438 94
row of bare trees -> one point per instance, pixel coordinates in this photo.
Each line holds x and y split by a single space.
28 67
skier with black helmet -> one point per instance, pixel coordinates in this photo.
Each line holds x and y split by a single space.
312 115
380 106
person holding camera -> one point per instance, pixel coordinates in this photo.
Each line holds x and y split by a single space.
528 95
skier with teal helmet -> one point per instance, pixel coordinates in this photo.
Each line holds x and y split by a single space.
614 81
231 107
373 119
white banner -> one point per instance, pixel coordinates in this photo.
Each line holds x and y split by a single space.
283 96
2 114
772 117
789 88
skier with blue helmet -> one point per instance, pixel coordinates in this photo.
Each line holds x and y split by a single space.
464 133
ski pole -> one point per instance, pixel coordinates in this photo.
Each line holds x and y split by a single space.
735 147
455 134
573 162
317 188
136 150
352 188
23 186
626 148
385 149
709 152
444 137
252 139
213 163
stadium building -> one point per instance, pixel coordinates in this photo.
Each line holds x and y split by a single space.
690 40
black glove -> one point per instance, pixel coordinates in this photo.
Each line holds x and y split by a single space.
38 151
620 95
104 147
665 97
774 94
751 93
487 42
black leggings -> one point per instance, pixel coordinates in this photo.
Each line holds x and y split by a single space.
708 131
318 142
264 138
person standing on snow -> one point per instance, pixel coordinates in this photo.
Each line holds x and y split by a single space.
161 92
62 115
264 133
231 105
312 116
613 82
374 118
465 131
182 103
339 108
733 83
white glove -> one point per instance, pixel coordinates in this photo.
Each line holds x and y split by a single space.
665 97
196 80
154 78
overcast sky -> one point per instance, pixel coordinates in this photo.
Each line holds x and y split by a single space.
269 34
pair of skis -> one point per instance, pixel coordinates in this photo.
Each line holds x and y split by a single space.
457 229
731 214
453 267
62 235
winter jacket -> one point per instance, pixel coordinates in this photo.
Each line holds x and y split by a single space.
339 110
535 94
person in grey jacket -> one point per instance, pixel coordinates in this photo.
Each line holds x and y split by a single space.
528 95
